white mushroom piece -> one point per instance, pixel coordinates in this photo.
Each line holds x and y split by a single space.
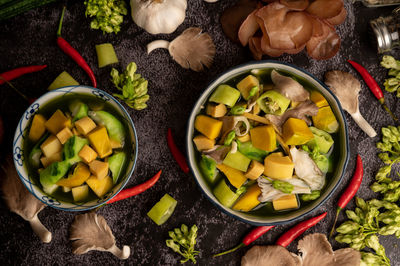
289 87
317 251
346 88
192 49
21 201
268 256
269 193
90 231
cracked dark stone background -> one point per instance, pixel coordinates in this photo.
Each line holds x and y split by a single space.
30 39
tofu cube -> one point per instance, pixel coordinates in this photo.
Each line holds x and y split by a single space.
285 202
87 154
99 169
80 193
255 170
216 110
51 146
37 128
57 122
64 135
85 125
100 141
56 157
100 186
203 143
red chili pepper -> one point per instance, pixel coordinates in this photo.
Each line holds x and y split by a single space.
17 72
373 86
176 153
350 191
254 234
69 50
294 232
133 191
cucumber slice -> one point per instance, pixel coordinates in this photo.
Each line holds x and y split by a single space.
106 54
225 195
163 209
115 163
114 127
64 79
78 110
209 168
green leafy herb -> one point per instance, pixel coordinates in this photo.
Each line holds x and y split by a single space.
108 14
283 186
183 241
133 87
392 84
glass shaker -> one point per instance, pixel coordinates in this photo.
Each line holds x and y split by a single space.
386 31
376 3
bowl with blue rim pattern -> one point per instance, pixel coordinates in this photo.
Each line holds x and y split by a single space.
43 104
341 148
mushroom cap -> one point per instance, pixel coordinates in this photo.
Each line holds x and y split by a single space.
193 49
346 87
268 255
347 257
316 250
218 153
16 196
289 87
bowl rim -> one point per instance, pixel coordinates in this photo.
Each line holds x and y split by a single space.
136 147
226 75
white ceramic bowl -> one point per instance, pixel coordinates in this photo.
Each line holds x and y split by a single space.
22 131
341 145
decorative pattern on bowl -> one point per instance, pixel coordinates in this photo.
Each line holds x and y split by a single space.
282 217
22 131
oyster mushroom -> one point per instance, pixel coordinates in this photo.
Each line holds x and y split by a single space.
269 193
192 49
347 257
268 255
217 153
346 87
302 111
90 231
289 87
20 201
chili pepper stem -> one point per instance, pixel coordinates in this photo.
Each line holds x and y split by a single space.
229 251
15 89
61 22
382 102
334 223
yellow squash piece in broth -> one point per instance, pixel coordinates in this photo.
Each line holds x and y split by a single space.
263 138
326 120
203 143
278 167
100 186
318 99
246 84
216 110
285 203
57 122
235 177
210 127
80 193
78 177
296 132
37 128
100 141
249 200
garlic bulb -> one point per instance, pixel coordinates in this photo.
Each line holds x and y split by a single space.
158 16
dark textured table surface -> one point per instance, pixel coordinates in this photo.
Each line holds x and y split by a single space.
30 39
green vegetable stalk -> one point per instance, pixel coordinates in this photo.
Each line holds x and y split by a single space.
183 241
108 14
229 138
272 102
315 194
283 186
132 85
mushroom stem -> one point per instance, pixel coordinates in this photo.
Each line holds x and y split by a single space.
363 124
122 254
40 230
157 44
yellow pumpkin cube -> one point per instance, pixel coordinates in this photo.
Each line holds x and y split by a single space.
80 193
249 200
99 168
51 146
244 138
318 99
37 128
100 186
208 126
203 143
78 177
296 132
115 144
100 141
255 170
216 110
85 125
278 167
285 202
87 154
263 137
235 177
326 120
64 135
56 157
57 122
246 84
